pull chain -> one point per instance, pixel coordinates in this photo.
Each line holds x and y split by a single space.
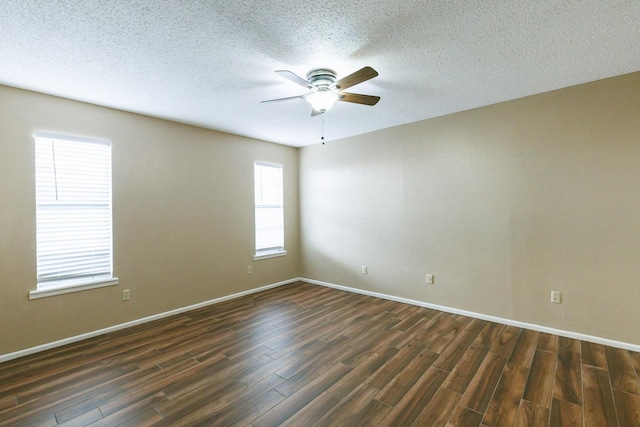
322 138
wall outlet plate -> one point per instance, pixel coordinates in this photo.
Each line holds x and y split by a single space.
430 279
126 295
556 297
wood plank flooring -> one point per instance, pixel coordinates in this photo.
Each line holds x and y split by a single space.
304 355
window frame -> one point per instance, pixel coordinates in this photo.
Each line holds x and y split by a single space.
275 251
62 285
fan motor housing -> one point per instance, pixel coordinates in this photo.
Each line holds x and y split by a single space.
321 77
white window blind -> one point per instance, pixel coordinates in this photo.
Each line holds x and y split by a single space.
269 209
73 210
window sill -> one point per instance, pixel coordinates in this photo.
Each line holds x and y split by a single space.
269 255
75 286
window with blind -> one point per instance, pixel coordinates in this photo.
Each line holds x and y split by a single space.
268 180
73 212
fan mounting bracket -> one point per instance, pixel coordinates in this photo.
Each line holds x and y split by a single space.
321 77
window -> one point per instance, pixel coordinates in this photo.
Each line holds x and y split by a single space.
269 210
73 214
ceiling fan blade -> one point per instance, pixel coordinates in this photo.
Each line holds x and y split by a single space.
362 75
295 78
358 99
288 98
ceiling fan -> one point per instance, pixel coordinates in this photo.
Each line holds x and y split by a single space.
326 90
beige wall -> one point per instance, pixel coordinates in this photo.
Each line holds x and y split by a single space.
502 204
182 216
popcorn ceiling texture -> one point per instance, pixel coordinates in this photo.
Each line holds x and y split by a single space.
209 63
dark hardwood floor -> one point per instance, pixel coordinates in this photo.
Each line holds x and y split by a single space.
304 355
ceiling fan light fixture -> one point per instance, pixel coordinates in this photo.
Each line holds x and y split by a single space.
322 100
325 89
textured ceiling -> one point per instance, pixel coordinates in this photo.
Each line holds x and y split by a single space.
209 63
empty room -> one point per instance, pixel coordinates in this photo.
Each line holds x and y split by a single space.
264 213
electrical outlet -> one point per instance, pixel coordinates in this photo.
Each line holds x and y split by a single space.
430 279
556 297
249 270
364 269
126 295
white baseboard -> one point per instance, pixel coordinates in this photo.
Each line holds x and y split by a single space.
539 328
70 340
575 335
